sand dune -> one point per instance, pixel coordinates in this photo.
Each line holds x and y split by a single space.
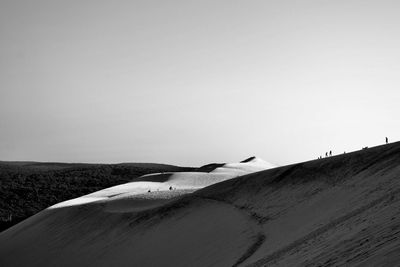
81 231
342 210
152 190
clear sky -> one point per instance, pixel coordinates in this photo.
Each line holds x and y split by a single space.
194 82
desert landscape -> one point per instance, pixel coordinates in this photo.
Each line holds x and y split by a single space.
336 211
199 133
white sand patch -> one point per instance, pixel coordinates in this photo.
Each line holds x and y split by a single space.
160 188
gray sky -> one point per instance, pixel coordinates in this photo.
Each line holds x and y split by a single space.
193 82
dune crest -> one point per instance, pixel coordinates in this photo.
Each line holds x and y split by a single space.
153 190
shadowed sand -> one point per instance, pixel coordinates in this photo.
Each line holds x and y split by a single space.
342 210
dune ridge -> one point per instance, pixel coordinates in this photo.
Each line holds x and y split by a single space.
341 210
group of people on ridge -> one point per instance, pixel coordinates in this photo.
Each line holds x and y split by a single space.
326 154
330 152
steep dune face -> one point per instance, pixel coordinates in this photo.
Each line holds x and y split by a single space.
342 210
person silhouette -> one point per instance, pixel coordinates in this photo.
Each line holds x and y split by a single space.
387 140
326 154
330 153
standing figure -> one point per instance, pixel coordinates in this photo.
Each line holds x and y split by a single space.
330 153
387 140
326 154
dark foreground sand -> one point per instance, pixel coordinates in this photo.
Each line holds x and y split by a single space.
342 210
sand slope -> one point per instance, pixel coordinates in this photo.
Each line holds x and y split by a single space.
342 210
121 226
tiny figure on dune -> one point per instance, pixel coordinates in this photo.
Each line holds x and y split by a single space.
170 188
326 154
387 140
149 191
330 153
